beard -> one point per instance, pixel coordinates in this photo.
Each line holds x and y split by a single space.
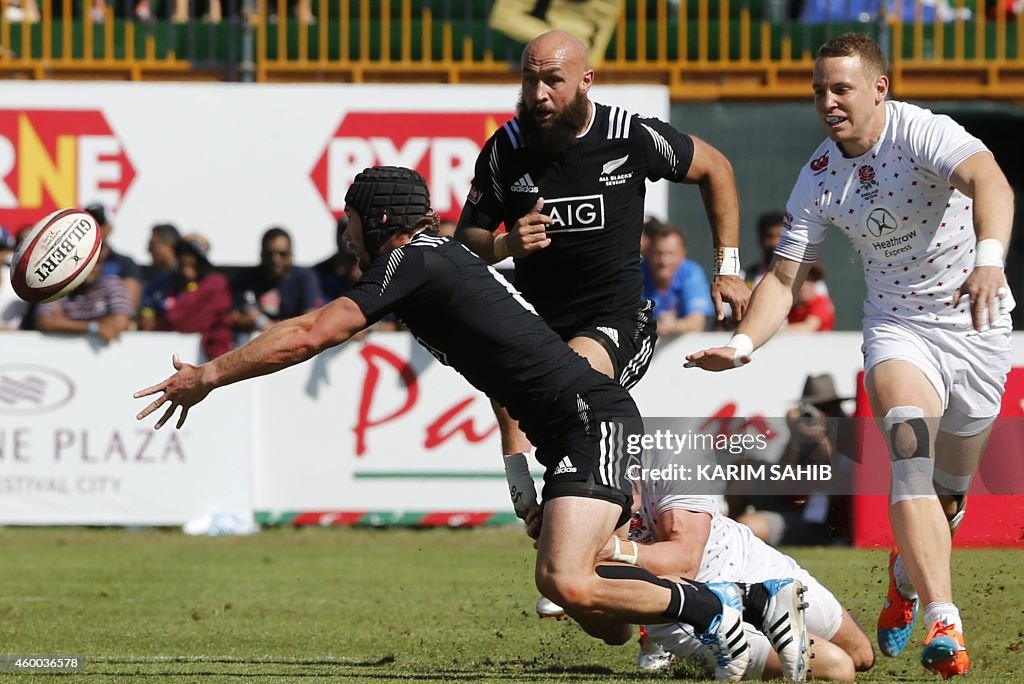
553 138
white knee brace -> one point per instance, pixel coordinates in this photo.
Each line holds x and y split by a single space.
911 472
955 486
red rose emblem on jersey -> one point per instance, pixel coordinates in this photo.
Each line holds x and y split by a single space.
868 184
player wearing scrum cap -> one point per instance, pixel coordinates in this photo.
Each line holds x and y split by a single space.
930 212
470 318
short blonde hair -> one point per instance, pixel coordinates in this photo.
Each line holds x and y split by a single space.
857 45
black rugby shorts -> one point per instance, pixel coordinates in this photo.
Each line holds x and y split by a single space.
629 341
584 452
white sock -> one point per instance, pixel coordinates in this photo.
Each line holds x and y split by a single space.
947 613
903 583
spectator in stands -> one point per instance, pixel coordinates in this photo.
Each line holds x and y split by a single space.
676 285
812 310
303 11
276 289
769 230
338 272
21 10
101 306
192 298
114 263
12 308
163 240
808 519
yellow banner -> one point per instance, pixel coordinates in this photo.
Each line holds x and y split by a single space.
592 21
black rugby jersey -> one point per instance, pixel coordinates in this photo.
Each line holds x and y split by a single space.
470 318
595 193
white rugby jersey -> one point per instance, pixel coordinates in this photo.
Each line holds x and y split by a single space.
727 553
913 230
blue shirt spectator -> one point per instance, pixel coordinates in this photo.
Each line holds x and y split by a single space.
676 285
688 292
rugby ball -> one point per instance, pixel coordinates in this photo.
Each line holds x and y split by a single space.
56 256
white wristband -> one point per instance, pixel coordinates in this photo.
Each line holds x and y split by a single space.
743 345
727 261
988 252
520 484
620 557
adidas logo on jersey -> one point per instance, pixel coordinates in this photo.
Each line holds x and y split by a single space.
612 334
524 184
565 466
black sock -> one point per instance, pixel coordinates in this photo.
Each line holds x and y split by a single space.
700 606
755 601
693 604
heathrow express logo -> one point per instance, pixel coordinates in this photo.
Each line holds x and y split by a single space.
442 146
27 389
51 159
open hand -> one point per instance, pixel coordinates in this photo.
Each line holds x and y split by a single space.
185 389
716 359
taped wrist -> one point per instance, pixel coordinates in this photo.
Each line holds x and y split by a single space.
727 261
619 557
520 483
989 252
743 345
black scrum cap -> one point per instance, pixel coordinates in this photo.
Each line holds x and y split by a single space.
388 199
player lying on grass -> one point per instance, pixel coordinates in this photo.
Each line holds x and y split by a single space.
676 532
470 318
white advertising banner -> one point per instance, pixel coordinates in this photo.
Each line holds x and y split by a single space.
231 160
71 451
377 425
381 425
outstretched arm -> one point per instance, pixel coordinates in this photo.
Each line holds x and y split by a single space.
284 344
769 305
713 174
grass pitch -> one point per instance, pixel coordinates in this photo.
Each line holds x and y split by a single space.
361 605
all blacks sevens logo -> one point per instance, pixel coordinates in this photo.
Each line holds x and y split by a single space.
881 222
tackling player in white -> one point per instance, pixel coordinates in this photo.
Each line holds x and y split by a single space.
682 533
930 212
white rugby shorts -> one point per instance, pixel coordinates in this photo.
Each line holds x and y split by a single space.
968 369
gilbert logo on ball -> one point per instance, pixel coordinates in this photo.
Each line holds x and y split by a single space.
56 256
